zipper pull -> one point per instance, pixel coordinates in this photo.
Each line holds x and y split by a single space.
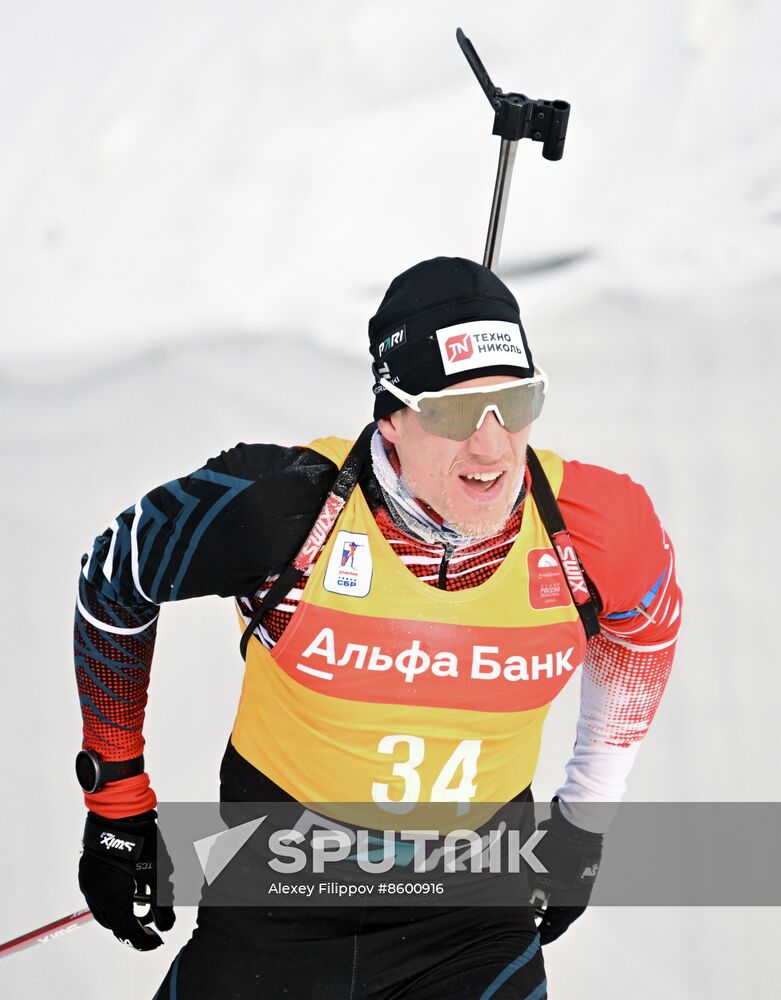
446 556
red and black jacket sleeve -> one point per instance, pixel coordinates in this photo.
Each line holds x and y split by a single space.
220 530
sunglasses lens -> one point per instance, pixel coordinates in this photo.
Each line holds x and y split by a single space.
523 405
457 416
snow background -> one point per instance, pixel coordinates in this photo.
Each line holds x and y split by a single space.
202 204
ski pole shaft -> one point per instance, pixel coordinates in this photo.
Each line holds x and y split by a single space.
516 117
46 933
41 935
504 172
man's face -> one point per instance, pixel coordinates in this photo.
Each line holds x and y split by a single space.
442 472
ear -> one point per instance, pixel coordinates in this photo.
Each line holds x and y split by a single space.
389 426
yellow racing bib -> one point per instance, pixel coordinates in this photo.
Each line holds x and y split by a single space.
384 689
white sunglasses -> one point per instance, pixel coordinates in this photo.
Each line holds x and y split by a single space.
458 413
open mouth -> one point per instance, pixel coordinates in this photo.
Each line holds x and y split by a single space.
482 485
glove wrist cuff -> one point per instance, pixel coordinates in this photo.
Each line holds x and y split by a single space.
574 834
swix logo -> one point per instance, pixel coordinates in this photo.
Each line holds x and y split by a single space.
459 348
569 561
109 841
319 533
56 934
392 340
590 872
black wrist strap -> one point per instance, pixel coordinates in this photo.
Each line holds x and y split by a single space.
93 773
553 522
116 770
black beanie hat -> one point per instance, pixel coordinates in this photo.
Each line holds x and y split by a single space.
411 340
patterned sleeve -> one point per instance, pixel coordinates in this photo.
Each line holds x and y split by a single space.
630 561
220 530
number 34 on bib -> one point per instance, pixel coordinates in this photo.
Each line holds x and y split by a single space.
463 761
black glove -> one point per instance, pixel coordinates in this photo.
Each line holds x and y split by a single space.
572 858
120 860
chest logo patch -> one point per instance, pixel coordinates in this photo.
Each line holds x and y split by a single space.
349 569
547 586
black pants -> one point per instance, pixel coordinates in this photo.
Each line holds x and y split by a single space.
393 953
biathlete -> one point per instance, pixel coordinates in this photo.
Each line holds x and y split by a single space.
411 604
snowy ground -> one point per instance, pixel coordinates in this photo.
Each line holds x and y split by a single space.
200 210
